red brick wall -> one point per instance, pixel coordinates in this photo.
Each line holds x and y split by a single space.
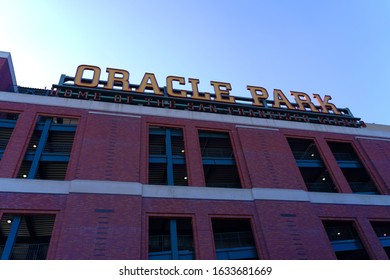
93 226
109 149
378 161
100 227
292 230
114 148
269 159
5 75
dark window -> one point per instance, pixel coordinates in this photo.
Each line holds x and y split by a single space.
345 240
233 239
311 165
49 149
170 238
219 165
7 125
354 171
25 237
343 151
5 135
382 230
167 164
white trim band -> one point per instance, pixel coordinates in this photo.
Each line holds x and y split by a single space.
180 192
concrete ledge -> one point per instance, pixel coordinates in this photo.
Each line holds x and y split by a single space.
197 193
105 187
124 109
280 194
8 185
346 198
34 186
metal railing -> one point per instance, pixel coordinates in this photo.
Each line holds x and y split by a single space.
298 155
217 153
321 187
22 251
160 243
346 156
160 150
337 233
224 185
33 91
157 150
363 187
233 239
58 147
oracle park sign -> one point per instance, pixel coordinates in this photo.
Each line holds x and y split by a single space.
117 88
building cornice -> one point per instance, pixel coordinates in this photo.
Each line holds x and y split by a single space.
374 131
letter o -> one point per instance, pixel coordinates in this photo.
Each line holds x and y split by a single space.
79 76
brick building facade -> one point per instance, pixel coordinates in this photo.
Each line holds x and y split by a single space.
82 179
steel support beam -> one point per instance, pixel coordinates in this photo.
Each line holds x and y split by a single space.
173 236
168 148
13 233
38 152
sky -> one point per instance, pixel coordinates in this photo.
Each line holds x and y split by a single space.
339 48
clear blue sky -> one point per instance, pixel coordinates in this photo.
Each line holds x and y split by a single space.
330 47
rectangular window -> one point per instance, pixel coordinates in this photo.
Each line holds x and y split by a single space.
311 165
345 240
219 164
49 149
171 239
354 171
167 163
233 239
7 125
25 237
382 230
